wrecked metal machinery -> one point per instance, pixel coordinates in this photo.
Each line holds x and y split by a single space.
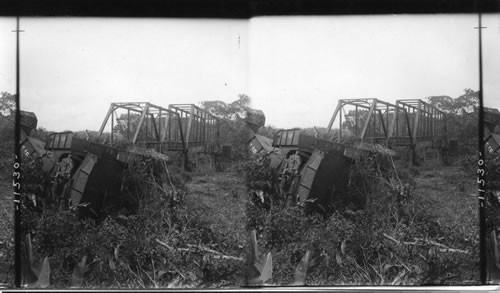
29 146
375 126
491 126
151 130
324 172
96 173
254 119
28 122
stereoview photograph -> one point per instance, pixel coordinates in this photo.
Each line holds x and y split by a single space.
270 151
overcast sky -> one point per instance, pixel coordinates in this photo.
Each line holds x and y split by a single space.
294 68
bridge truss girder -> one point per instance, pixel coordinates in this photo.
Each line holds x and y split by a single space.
160 127
181 127
381 122
202 128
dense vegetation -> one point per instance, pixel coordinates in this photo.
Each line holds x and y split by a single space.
418 224
396 239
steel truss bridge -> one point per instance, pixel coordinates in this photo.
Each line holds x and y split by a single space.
180 127
405 123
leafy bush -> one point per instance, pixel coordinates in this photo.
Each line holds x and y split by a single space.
152 245
387 242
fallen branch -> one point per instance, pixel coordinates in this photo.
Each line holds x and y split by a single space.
392 239
421 242
218 255
443 248
221 255
164 245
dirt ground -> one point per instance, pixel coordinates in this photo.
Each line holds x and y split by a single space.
219 201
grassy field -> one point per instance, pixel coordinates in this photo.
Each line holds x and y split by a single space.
213 219
6 234
428 236
217 203
450 194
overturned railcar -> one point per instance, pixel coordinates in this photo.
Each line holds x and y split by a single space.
89 175
94 175
321 178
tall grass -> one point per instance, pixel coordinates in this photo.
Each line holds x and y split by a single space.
394 240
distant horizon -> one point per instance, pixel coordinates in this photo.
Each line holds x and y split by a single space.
266 125
295 69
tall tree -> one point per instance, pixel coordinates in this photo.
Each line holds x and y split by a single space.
7 104
232 111
466 103
7 128
462 116
233 129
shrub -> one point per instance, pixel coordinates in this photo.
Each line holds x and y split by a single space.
385 242
152 245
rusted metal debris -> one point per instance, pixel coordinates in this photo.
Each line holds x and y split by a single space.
255 119
96 170
491 130
376 126
322 171
86 172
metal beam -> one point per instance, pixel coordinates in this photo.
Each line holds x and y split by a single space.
372 108
188 128
154 127
415 123
337 109
382 122
391 125
106 118
409 128
112 126
141 120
